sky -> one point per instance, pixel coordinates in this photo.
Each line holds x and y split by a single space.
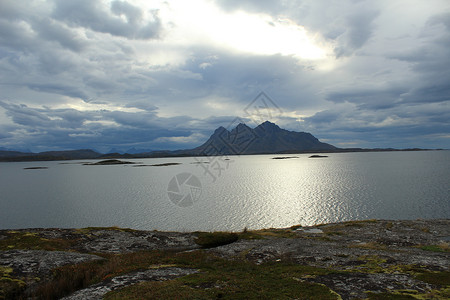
153 75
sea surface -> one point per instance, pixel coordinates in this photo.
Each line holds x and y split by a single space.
226 193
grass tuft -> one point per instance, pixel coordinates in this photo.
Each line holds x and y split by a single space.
233 279
10 288
443 247
32 241
439 278
215 239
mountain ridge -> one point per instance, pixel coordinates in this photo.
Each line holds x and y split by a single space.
266 138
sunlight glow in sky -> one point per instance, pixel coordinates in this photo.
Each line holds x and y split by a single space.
200 21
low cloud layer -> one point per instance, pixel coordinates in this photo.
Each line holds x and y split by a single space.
163 75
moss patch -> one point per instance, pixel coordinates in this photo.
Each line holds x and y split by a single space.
115 228
388 296
10 287
370 245
233 279
441 294
269 233
32 241
215 239
438 278
444 247
68 279
375 264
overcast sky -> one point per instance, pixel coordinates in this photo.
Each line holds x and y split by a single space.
164 74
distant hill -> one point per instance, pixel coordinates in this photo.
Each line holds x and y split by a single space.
265 138
8 153
130 150
48 155
72 154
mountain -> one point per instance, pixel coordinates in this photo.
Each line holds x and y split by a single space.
129 151
48 155
72 154
115 150
136 151
9 153
265 138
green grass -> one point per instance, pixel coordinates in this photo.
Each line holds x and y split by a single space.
269 233
32 241
218 277
177 289
235 278
10 287
215 239
232 279
370 245
114 228
388 296
438 294
436 248
439 278
68 279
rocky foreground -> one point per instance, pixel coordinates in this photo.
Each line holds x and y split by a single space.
374 259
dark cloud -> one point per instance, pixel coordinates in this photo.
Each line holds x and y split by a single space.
431 62
14 35
402 126
242 77
102 129
132 13
24 29
433 92
45 118
443 18
359 29
370 98
144 105
13 10
93 15
50 30
59 89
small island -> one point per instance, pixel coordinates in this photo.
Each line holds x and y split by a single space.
317 156
159 165
284 157
35 168
110 162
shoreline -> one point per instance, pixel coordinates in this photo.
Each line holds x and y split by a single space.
35 157
350 260
131 229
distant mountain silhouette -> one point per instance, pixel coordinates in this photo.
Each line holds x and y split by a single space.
132 150
9 153
48 155
265 138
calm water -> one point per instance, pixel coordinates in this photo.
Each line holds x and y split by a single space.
246 191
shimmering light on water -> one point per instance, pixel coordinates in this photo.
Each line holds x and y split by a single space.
252 192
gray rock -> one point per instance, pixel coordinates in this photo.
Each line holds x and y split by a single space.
32 263
97 291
